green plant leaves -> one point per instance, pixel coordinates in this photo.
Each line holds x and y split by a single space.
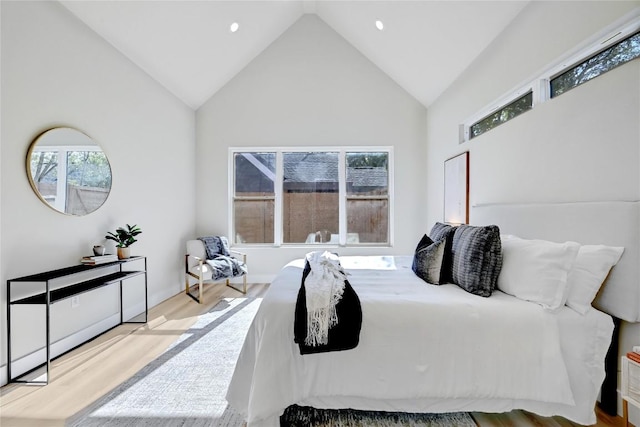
124 237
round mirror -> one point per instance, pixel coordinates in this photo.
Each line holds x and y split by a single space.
68 171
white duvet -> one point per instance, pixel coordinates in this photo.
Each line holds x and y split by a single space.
420 345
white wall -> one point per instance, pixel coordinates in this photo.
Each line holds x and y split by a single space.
2 306
311 88
581 146
57 72
551 152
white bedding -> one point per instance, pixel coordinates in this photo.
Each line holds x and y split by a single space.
423 348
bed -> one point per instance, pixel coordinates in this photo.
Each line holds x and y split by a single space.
426 348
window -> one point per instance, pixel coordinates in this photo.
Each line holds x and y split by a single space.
254 197
614 46
368 196
503 115
336 196
604 61
310 210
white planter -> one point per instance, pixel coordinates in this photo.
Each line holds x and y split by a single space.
124 253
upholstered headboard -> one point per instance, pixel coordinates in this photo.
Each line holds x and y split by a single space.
607 223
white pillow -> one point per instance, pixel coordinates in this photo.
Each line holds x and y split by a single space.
589 271
536 270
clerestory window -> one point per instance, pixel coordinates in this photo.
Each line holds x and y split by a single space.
503 115
608 50
618 54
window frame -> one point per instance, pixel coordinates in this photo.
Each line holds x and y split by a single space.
342 193
515 97
619 40
540 84
232 198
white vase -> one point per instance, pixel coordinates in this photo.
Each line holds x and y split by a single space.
98 250
124 253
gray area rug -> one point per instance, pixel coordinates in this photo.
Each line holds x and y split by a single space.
187 384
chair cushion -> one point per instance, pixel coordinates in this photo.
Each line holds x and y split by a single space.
205 273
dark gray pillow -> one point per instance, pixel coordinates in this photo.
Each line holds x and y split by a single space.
444 232
476 258
427 260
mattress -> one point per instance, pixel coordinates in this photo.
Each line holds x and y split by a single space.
423 348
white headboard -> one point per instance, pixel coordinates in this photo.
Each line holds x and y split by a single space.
607 223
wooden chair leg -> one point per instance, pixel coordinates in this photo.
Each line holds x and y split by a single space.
625 413
200 284
244 288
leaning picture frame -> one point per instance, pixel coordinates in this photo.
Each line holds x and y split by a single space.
456 189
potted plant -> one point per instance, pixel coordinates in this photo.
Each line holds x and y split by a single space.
124 237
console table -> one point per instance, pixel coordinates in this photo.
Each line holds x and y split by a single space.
49 297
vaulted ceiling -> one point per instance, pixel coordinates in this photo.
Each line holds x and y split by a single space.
188 47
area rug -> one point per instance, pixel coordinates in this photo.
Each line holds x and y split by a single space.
187 384
304 416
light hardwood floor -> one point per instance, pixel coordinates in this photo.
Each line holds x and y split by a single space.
81 376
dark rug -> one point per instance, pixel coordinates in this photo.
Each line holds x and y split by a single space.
305 416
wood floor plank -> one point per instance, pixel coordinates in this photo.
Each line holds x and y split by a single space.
527 419
85 374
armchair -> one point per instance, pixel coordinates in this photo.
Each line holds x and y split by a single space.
210 260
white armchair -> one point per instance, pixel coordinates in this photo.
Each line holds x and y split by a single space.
217 269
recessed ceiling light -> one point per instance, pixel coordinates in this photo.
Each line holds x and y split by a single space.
379 25
234 27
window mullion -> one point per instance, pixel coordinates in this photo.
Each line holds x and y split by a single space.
278 226
231 195
541 92
390 198
342 197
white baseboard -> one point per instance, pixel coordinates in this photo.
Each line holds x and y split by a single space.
31 360
132 311
159 297
260 278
